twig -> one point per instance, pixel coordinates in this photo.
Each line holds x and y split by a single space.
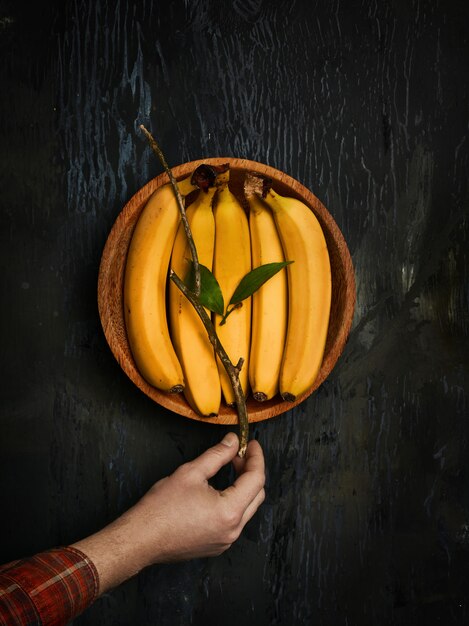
193 297
195 259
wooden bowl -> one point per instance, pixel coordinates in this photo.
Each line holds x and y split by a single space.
111 280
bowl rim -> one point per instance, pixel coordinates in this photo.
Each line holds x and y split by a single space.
130 212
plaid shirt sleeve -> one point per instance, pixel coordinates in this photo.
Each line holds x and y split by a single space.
49 588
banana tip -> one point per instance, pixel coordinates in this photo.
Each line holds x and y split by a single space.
176 389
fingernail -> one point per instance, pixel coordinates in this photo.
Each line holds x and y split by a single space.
229 439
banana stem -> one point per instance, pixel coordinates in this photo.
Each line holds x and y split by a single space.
231 370
195 259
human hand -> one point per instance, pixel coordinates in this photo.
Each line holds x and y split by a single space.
182 516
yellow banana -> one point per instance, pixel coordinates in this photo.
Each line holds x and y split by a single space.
269 304
145 289
309 289
232 260
190 339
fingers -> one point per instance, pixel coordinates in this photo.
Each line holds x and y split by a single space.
252 507
251 479
213 459
239 463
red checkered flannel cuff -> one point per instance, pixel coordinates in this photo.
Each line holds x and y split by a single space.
49 588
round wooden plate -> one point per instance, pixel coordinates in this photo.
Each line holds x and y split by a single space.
111 280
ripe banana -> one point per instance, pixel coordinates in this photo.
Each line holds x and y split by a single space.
190 339
309 289
232 260
145 289
269 304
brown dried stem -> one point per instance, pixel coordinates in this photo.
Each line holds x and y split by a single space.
193 297
195 259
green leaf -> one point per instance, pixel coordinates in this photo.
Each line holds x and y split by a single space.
211 296
255 279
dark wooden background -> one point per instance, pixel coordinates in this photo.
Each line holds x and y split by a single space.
366 519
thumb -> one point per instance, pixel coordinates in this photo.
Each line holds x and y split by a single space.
216 457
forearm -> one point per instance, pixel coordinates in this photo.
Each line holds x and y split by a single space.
115 552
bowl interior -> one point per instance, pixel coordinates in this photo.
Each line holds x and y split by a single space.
111 279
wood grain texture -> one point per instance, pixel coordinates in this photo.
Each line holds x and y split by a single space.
111 281
366 519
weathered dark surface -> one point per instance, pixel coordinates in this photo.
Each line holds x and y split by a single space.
367 515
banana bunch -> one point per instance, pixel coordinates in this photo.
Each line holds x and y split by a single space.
279 331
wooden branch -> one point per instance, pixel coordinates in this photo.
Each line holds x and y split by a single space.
157 150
